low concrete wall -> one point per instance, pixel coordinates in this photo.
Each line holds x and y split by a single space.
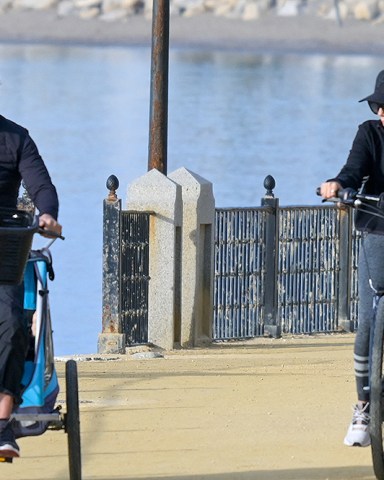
247 10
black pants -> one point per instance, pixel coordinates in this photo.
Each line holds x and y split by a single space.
13 340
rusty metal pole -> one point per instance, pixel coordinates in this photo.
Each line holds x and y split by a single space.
158 122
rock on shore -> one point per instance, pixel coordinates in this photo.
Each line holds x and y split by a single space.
247 10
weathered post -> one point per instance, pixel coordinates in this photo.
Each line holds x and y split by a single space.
158 118
111 340
271 323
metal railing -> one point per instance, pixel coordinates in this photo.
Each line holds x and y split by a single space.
134 276
278 270
284 270
240 266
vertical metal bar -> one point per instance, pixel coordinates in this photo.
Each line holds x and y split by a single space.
158 123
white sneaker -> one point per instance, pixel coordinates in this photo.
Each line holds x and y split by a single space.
358 431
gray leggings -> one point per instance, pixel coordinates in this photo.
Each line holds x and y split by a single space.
371 265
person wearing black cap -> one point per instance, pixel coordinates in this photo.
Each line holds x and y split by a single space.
365 167
19 160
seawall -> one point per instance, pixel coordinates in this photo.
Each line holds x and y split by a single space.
246 10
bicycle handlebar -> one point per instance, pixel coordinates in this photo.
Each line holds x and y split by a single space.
349 196
370 204
49 233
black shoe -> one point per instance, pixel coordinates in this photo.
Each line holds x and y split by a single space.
8 445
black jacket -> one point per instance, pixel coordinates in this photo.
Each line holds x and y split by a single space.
366 159
20 160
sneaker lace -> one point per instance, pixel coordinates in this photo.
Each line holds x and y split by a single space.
360 415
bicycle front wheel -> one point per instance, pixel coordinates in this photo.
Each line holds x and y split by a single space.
376 393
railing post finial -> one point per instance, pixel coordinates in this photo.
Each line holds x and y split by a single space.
112 185
269 185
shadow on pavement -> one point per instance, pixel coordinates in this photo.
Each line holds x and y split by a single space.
339 473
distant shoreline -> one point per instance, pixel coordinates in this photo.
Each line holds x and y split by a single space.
270 34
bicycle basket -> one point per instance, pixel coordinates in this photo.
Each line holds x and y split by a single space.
16 233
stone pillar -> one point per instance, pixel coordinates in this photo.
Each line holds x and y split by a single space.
156 193
197 258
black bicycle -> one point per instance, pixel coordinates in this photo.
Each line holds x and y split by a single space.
374 205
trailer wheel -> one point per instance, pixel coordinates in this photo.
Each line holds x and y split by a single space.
72 420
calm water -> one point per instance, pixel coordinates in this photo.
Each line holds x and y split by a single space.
233 118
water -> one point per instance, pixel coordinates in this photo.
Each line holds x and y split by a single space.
233 118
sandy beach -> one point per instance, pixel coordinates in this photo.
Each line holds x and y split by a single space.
272 33
259 410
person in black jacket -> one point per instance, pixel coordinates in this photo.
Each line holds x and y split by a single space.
19 161
365 169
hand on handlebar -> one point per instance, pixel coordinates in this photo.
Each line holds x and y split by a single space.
50 226
329 189
346 196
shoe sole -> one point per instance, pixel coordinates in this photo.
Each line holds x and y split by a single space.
9 453
356 444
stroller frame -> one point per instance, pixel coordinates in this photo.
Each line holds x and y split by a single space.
37 412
